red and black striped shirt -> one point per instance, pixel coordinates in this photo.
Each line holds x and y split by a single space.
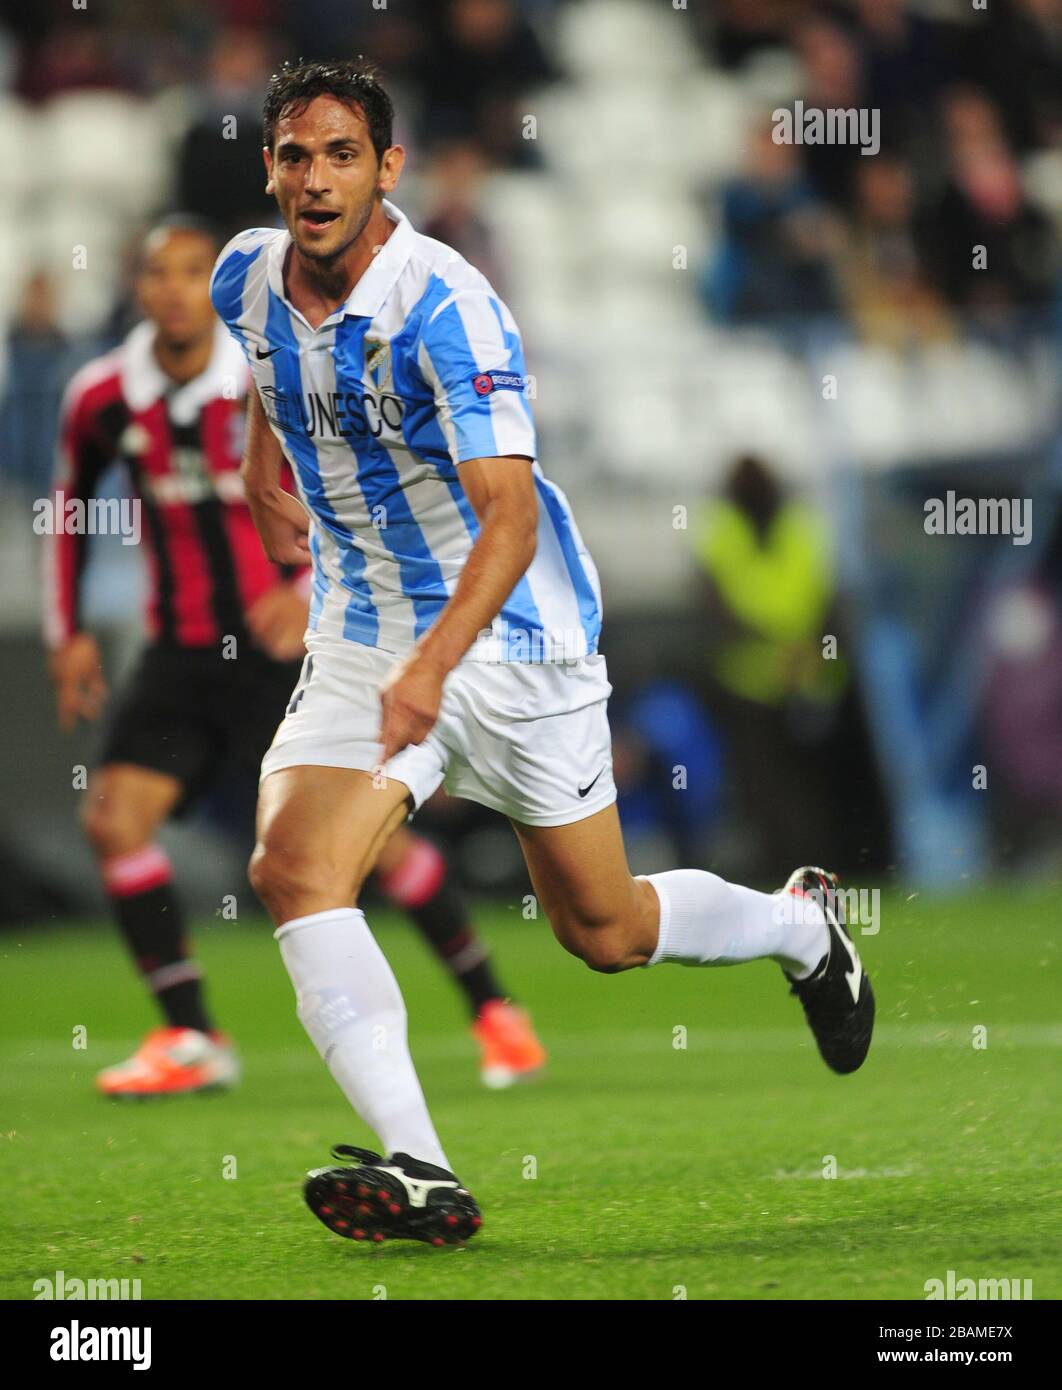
182 444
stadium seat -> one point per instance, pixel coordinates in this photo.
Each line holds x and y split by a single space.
722 112
26 170
85 296
603 38
638 235
107 146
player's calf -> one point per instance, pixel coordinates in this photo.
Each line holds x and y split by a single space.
125 806
611 939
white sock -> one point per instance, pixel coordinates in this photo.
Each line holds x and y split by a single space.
706 921
348 1000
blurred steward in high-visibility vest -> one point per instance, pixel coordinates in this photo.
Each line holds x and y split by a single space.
775 680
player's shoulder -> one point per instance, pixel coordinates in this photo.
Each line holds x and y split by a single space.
444 276
240 261
94 384
247 245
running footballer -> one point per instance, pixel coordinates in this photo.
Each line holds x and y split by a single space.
453 638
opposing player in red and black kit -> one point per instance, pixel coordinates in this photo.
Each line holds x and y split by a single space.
226 628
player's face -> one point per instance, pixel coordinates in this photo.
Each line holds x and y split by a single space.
325 175
174 285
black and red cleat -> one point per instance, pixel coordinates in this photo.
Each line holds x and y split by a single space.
398 1198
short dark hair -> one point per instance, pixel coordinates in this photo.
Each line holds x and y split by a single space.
356 82
179 222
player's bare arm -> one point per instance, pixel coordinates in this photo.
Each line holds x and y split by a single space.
277 622
280 519
502 494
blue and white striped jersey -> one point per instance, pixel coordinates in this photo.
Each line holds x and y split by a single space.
418 370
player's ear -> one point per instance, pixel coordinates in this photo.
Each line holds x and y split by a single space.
390 168
267 158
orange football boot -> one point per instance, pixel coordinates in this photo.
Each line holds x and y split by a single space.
171 1062
510 1051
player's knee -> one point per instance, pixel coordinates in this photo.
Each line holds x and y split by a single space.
290 883
108 828
270 876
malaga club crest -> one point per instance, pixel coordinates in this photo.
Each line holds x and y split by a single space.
378 364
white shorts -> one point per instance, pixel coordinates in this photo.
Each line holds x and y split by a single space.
530 741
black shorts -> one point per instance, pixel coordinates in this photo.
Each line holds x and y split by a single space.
188 712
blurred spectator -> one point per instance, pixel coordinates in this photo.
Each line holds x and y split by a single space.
27 24
219 178
1023 692
983 204
9 54
1022 714
735 30
332 30
769 588
76 53
40 362
455 176
775 256
907 59
668 763
833 78
481 58
887 289
1017 56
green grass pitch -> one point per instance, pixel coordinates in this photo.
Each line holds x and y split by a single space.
657 1169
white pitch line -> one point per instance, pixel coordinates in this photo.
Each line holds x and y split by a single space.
843 1174
702 1042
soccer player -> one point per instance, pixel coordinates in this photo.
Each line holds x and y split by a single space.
453 637
170 403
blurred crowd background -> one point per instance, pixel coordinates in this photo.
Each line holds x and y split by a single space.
753 363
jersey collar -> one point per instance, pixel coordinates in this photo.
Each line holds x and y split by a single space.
367 297
144 382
